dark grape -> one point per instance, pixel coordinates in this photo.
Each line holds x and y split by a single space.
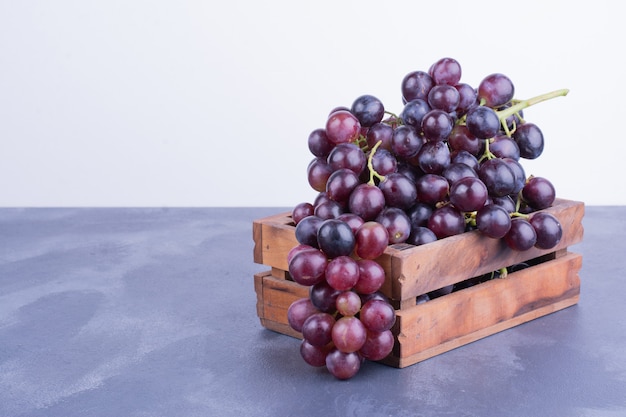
464 157
482 122
548 228
318 142
398 190
413 113
446 221
539 193
460 138
497 176
341 183
434 157
366 201
368 110
432 188
529 139
379 132
468 194
457 170
444 97
324 297
467 98
416 85
371 277
335 238
328 210
406 142
437 125
300 211
493 221
419 213
317 329
353 220
518 172
521 236
306 230
377 315
318 172
421 235
496 90
504 147
347 155
384 162
396 222
378 345
446 71
314 355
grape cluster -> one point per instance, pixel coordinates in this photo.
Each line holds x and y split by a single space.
448 163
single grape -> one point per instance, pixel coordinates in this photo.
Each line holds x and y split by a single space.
493 221
419 214
318 172
432 189
335 238
384 162
306 230
464 157
506 202
371 239
368 110
529 139
328 210
324 297
446 71
341 183
497 176
307 267
521 236
504 147
299 311
416 85
398 191
371 277
379 132
468 194
496 90
482 122
342 127
548 228
446 221
349 334
342 273
406 142
413 112
434 157
348 303
297 249
366 201
318 143
467 98
396 222
347 155
518 172
300 211
457 170
343 365
539 193
444 97
378 345
421 235
317 329
377 315
314 355
460 138
437 125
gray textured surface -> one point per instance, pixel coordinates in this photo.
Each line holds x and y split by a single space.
151 312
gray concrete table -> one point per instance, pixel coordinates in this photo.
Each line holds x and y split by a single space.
151 312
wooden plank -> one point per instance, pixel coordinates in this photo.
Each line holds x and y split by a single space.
274 237
465 316
416 270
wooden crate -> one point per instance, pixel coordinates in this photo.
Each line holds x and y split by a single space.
428 329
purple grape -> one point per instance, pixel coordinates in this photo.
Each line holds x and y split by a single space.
446 221
368 110
497 176
416 85
468 194
366 201
318 143
548 228
397 223
398 190
434 157
493 221
538 193
446 71
347 155
444 97
437 125
482 122
496 90
521 236
529 139
335 238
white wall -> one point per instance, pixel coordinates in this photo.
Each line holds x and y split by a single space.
206 103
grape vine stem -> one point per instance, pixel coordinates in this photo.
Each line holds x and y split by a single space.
370 165
522 104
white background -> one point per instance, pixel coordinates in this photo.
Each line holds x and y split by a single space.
204 103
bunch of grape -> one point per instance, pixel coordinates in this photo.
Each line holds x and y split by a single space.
448 163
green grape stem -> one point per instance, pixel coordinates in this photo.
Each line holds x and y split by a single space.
370 166
522 104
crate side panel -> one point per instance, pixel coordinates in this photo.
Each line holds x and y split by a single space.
456 319
416 271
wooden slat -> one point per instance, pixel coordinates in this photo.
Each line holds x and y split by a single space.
448 322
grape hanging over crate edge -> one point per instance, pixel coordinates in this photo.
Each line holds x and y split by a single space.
449 162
